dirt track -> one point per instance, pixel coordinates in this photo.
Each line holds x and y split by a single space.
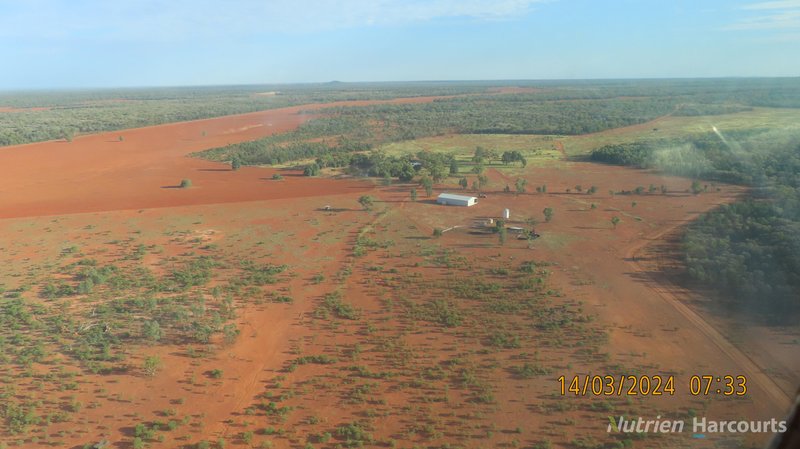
676 296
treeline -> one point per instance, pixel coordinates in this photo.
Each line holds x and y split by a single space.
50 115
550 107
508 114
725 158
749 250
346 129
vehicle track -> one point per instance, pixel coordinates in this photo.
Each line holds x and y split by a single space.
676 296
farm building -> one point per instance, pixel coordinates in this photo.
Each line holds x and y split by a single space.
449 199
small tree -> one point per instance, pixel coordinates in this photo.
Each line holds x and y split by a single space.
277 176
476 186
311 170
120 138
463 183
663 189
186 183
437 232
151 330
615 221
502 234
548 214
483 181
696 187
453 167
236 163
633 204
520 185
427 184
592 190
594 206
366 202
413 194
151 365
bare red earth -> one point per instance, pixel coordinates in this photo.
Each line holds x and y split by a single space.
143 169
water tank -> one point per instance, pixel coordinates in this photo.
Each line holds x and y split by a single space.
506 214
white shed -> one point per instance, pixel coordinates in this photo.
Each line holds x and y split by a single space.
449 199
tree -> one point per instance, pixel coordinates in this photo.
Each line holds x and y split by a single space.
548 214
436 170
480 155
477 169
502 235
311 170
476 186
413 194
615 221
696 187
483 181
463 183
579 188
594 206
663 189
520 185
406 172
366 202
437 232
453 167
592 190
633 204
185 183
236 163
427 184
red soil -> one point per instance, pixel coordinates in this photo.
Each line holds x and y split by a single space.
100 172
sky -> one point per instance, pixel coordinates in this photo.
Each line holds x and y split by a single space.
129 43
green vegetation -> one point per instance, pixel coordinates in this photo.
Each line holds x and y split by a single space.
67 113
343 131
366 201
185 183
747 250
548 213
236 163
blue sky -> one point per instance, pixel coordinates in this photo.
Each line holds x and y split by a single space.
103 43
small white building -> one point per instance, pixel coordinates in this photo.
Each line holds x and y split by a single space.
449 199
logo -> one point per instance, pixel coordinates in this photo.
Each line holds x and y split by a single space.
700 426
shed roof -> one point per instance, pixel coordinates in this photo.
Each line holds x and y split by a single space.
452 196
